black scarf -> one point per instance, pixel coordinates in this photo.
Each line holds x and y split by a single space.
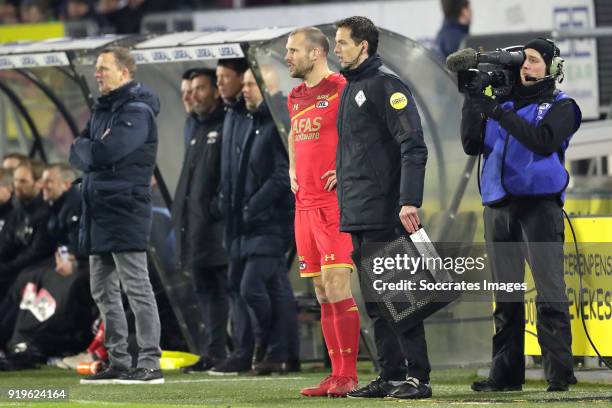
539 92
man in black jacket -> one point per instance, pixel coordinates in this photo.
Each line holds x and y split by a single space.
256 200
380 168
24 240
199 232
116 153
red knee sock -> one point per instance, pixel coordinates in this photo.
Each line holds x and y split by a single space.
331 340
346 322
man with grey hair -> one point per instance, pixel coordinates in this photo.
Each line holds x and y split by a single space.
116 153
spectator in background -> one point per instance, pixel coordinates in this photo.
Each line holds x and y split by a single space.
49 308
456 25
34 11
6 194
125 16
9 12
24 240
199 231
79 10
186 97
12 160
256 204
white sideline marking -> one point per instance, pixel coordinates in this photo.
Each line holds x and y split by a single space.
235 379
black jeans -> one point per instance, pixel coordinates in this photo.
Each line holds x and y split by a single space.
211 288
394 349
536 226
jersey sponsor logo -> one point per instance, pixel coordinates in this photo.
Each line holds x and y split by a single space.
322 104
398 101
330 257
296 106
306 128
360 98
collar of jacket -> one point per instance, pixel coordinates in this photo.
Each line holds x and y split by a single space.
116 95
262 110
238 105
71 195
28 207
366 69
451 23
214 116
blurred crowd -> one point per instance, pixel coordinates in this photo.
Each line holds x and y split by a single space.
112 16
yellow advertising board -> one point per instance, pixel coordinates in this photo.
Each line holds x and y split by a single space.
594 235
32 32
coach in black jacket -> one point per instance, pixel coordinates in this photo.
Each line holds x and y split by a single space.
380 166
199 232
256 202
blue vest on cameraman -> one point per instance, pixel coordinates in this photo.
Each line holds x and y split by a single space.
512 169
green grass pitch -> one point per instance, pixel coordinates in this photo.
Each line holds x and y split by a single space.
450 387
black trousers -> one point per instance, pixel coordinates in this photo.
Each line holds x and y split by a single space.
532 230
399 354
211 287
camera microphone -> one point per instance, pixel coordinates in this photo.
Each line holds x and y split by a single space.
462 60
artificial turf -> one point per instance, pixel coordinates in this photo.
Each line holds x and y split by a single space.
450 387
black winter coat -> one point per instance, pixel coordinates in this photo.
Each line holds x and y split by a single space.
257 207
199 233
381 156
64 216
116 153
24 240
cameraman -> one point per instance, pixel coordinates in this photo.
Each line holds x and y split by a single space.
523 141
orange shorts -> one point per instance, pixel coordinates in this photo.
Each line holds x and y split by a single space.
320 244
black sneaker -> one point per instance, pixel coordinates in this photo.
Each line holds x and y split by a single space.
412 388
379 388
202 366
107 376
293 366
489 385
141 376
231 366
557 386
268 367
259 354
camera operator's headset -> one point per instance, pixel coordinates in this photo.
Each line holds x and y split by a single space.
556 65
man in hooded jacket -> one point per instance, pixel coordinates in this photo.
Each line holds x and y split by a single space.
116 153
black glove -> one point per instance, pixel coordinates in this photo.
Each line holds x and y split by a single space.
486 105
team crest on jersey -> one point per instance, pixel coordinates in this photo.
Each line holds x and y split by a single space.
211 137
322 104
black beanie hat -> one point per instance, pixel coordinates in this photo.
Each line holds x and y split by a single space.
544 47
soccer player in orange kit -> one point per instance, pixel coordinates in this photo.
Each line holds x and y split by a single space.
324 252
